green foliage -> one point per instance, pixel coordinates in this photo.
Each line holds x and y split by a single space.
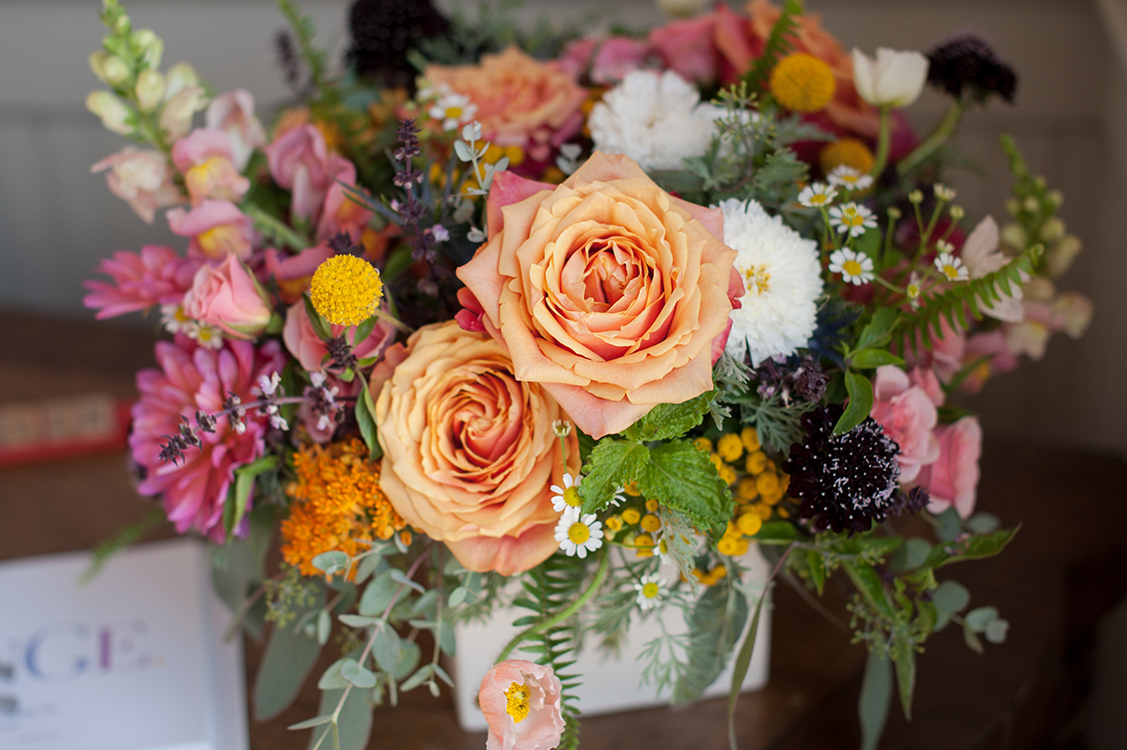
683 478
668 421
494 29
289 596
290 654
366 421
876 692
779 43
953 304
714 626
239 495
125 537
315 58
777 424
740 665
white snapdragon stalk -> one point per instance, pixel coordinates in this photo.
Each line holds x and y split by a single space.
893 80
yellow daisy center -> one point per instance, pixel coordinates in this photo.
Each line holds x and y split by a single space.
851 267
453 113
950 272
847 152
650 590
346 290
579 533
571 497
205 334
516 698
802 83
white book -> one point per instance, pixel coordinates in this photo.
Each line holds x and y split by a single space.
134 660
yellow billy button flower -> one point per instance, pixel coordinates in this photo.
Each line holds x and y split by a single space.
846 152
516 702
746 490
756 462
644 545
767 483
727 474
632 490
650 522
730 447
749 524
802 83
346 290
750 438
651 505
631 516
703 444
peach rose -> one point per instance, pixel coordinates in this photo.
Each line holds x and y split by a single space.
520 101
606 290
521 703
469 451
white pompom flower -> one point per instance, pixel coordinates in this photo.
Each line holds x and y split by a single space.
656 119
782 281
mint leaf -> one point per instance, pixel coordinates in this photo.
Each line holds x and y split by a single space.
668 421
860 391
681 477
612 464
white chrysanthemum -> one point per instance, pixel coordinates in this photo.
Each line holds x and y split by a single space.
782 280
654 118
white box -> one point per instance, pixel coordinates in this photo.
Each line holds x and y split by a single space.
135 660
609 684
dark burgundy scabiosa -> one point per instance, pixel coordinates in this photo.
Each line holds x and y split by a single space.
384 31
966 64
846 481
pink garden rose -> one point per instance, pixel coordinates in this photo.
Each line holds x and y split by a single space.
952 479
155 276
233 113
605 290
142 179
617 57
293 274
301 162
304 344
194 378
216 229
686 48
228 297
206 159
521 703
908 416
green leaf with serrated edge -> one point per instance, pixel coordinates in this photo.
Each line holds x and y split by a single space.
685 480
377 595
331 677
385 648
905 659
612 464
867 359
320 326
878 329
330 562
912 554
739 668
366 421
354 722
973 548
817 569
417 679
288 658
876 694
668 421
775 532
869 584
357 674
714 626
948 597
310 723
860 391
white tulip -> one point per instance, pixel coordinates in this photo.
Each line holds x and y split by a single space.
894 79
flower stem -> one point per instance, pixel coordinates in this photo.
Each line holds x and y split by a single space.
563 614
884 142
937 138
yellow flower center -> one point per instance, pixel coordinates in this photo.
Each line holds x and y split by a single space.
579 533
851 268
219 240
847 152
950 272
205 334
651 522
571 497
757 278
802 83
913 291
650 590
453 113
631 516
180 316
346 290
517 702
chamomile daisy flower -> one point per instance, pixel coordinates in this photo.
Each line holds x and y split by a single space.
951 267
174 320
453 109
852 218
817 195
651 590
914 290
566 499
579 535
854 267
203 334
943 193
850 178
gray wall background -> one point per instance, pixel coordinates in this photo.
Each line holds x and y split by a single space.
57 220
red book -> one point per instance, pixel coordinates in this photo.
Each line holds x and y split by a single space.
49 430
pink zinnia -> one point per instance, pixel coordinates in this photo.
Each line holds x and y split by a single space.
193 378
156 276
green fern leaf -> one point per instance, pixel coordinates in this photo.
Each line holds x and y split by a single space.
778 45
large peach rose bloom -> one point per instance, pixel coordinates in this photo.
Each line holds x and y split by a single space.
469 451
606 290
521 101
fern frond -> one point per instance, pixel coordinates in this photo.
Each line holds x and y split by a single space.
776 48
317 59
953 304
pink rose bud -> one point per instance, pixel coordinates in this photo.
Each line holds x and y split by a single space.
228 296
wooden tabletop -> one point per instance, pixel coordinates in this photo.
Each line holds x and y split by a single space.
1066 568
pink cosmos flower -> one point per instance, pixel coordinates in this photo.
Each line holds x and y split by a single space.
233 113
156 276
142 179
310 350
952 479
521 703
193 378
908 416
206 159
301 162
294 273
217 228
228 297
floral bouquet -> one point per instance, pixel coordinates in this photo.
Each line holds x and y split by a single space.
602 315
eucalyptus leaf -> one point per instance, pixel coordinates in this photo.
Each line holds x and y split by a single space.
377 594
912 554
409 655
978 619
359 621
417 679
357 674
331 677
324 627
310 723
457 596
354 723
331 562
385 649
876 695
983 523
401 577
949 597
285 664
